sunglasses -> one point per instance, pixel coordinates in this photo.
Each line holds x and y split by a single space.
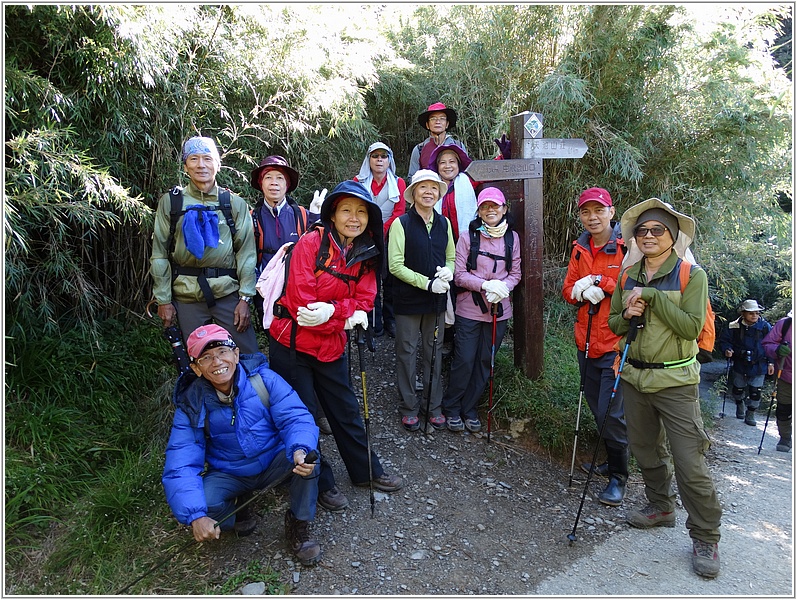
657 231
379 156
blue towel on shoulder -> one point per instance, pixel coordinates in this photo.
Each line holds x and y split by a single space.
200 229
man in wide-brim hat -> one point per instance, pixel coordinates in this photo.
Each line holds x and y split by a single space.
661 377
437 119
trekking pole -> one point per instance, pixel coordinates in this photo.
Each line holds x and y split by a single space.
360 345
310 458
773 399
593 308
494 312
727 383
431 370
633 328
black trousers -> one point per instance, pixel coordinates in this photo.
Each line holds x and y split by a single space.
330 384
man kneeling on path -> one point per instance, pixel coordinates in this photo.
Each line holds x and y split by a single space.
243 420
661 376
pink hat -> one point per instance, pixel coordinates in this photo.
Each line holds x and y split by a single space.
203 336
491 194
451 115
595 194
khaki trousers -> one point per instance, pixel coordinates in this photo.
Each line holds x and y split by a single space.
674 414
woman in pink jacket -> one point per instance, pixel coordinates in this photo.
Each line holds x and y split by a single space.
486 281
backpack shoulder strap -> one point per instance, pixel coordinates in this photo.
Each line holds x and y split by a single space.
684 270
300 214
226 209
175 210
475 242
255 212
509 244
256 380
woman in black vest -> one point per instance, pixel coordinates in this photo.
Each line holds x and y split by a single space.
421 255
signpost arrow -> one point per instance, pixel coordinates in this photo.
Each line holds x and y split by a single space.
554 148
501 170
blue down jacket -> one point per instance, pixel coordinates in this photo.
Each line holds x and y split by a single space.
204 430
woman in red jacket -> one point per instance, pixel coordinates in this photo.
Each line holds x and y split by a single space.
331 286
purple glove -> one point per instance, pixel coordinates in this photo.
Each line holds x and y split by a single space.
505 145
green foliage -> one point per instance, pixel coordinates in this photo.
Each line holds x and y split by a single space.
254 572
73 408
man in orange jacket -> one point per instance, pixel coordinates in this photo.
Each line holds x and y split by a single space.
591 277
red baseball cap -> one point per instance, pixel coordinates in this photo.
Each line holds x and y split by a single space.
595 194
203 336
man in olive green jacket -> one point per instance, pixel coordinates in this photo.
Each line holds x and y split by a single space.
661 376
208 274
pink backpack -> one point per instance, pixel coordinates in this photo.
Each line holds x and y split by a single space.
271 283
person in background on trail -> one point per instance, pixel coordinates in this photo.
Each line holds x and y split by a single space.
592 275
777 344
437 119
243 440
421 256
322 301
741 342
278 219
378 174
661 377
484 284
205 271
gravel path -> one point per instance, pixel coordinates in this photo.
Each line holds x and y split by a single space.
493 519
756 549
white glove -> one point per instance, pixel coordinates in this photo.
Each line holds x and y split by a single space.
360 317
315 314
593 294
439 286
492 297
581 285
496 287
318 200
444 273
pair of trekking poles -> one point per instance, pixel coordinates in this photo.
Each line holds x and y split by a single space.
634 326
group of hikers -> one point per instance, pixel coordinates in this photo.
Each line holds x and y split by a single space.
420 262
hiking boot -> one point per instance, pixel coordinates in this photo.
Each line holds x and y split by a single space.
390 328
438 422
245 521
297 534
602 469
650 516
455 424
749 417
473 425
385 483
323 426
739 409
613 494
705 558
784 445
333 500
411 423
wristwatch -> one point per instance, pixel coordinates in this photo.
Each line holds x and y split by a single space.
246 299
597 280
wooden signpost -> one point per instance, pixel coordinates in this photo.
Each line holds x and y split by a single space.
520 178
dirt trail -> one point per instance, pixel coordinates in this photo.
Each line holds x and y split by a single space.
490 519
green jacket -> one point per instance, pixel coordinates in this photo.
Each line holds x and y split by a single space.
238 254
672 323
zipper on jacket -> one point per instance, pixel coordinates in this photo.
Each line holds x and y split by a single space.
232 421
